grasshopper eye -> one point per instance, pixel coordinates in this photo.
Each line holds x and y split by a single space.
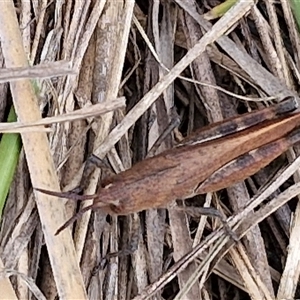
115 209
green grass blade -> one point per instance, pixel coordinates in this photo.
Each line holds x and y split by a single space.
295 6
10 147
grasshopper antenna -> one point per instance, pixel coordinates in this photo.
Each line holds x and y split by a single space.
68 195
71 196
74 218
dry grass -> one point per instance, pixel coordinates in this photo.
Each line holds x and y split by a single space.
160 56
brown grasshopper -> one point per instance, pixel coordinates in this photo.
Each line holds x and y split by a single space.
209 160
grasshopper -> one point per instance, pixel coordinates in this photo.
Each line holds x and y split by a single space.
210 159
